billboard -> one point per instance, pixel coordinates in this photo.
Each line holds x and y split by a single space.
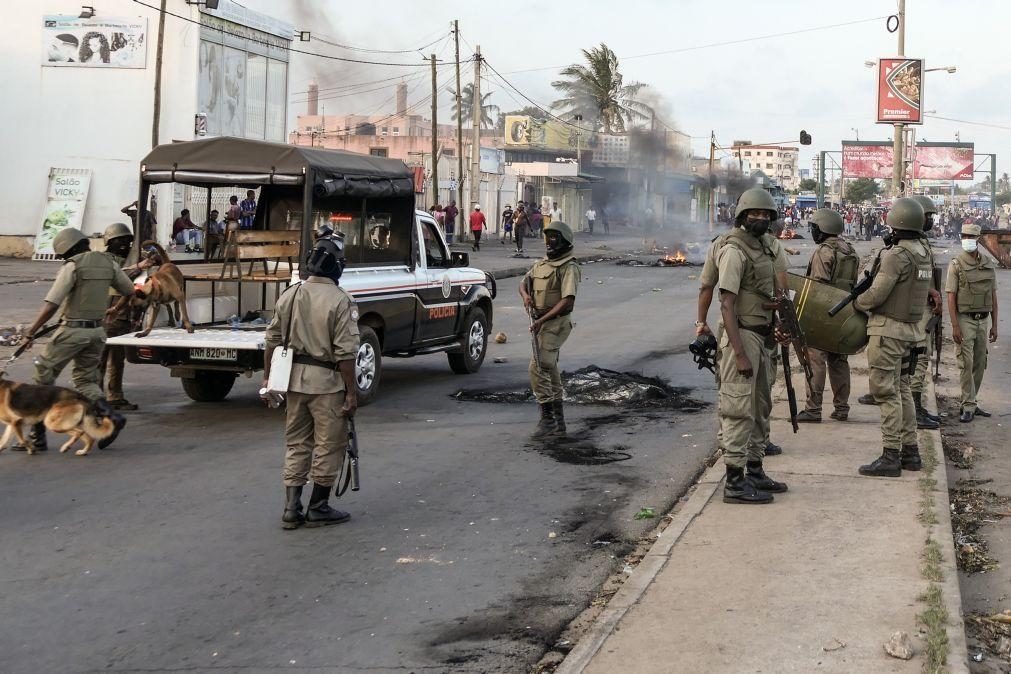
98 42
523 131
933 161
65 201
900 91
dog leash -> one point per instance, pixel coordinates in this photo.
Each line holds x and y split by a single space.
27 345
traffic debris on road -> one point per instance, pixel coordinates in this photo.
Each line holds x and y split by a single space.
900 646
501 338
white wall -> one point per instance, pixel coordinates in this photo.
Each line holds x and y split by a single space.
79 117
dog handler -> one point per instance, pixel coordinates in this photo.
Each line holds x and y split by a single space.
81 292
320 322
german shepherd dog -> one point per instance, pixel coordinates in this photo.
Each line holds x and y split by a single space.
60 409
164 286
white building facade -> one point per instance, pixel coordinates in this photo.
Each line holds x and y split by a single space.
776 161
81 103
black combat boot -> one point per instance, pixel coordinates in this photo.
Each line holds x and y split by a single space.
739 489
887 465
320 513
546 426
867 399
923 420
292 517
756 476
103 409
772 449
556 408
918 403
910 458
36 440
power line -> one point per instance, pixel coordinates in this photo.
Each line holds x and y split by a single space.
533 102
712 45
316 36
965 121
345 87
275 46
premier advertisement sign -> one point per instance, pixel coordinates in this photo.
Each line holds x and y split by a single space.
900 91
933 161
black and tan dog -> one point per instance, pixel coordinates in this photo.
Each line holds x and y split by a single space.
164 286
60 409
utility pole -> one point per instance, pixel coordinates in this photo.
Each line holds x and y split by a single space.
458 227
475 147
435 136
712 191
898 160
156 113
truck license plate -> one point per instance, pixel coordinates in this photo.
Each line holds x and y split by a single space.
204 353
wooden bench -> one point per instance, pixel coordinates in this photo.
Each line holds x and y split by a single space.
254 246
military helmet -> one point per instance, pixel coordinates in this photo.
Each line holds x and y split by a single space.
929 207
116 230
67 239
326 257
563 229
759 199
906 214
827 221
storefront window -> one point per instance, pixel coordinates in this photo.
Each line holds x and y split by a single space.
256 96
277 87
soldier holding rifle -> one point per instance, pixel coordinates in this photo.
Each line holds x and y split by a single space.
895 303
549 295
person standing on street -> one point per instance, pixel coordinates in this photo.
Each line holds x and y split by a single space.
81 292
834 262
549 291
895 302
746 273
248 210
319 321
451 213
591 217
478 224
507 225
521 227
556 212
918 383
971 286
119 318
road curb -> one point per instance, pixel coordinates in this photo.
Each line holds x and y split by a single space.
951 593
642 577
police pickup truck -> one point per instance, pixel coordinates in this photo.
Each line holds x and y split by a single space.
414 296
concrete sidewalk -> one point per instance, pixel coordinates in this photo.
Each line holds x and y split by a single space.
817 581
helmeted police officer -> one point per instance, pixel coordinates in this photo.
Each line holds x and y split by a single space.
834 262
918 383
81 291
318 320
549 291
895 303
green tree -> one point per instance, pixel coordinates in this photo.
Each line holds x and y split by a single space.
467 103
862 189
597 91
808 185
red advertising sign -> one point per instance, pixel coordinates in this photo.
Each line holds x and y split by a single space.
934 161
867 161
900 91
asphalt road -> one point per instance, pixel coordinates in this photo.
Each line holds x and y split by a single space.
165 551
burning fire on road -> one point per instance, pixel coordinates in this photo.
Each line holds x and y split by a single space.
678 259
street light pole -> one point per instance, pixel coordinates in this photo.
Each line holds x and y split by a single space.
898 164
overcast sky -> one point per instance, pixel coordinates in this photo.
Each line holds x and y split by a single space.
764 90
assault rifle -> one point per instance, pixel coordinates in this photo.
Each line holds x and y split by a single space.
861 286
351 462
938 328
528 285
790 326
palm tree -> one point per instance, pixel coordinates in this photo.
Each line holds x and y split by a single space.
467 103
597 91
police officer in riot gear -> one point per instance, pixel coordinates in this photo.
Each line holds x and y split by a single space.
747 280
81 293
971 286
895 303
549 291
319 321
925 419
834 262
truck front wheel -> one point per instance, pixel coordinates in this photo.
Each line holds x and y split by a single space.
475 344
209 386
368 365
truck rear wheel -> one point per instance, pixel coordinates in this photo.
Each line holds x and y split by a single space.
209 386
475 344
368 365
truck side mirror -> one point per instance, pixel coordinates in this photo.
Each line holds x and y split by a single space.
460 259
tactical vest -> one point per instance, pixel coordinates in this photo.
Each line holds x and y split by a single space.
975 285
89 299
908 298
847 262
546 277
757 279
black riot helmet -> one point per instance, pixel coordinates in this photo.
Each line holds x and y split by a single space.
326 257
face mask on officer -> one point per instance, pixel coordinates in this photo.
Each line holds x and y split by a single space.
556 244
930 222
756 224
969 245
817 235
888 238
120 246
